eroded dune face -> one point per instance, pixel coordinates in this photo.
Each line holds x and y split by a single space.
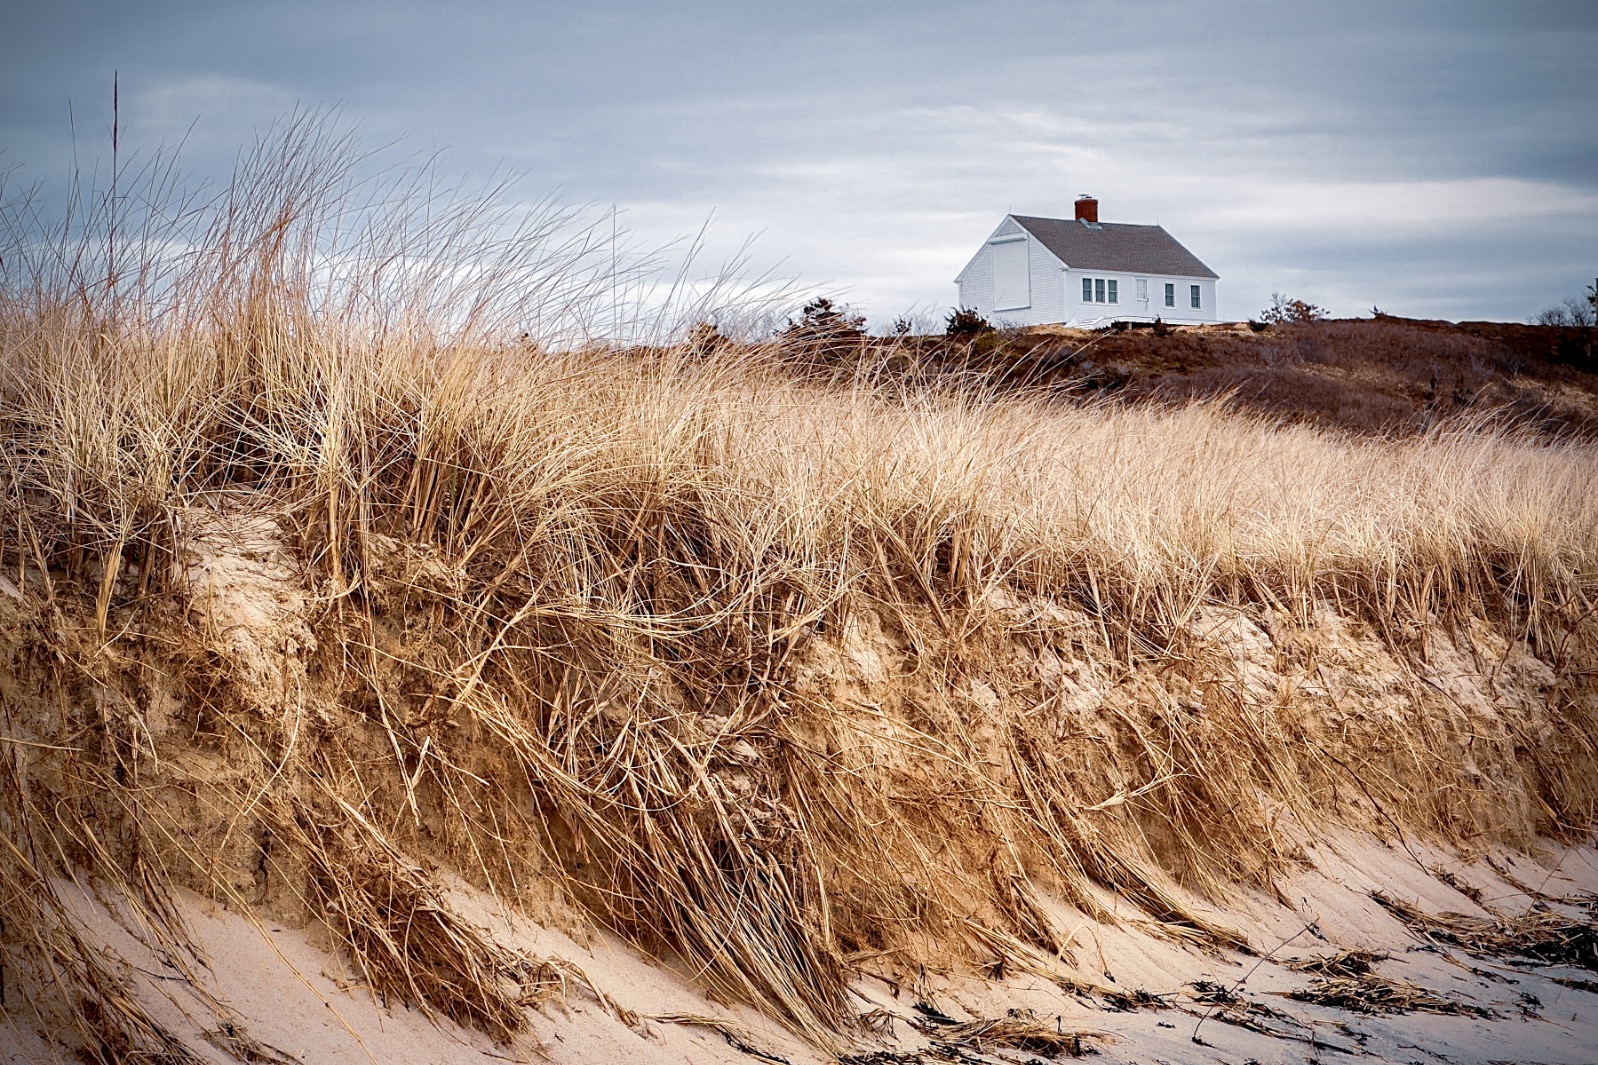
1000 790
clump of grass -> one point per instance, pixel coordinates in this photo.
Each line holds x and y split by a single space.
693 638
71 986
401 933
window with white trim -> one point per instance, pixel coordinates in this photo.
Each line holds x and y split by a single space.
1170 295
1100 290
1193 294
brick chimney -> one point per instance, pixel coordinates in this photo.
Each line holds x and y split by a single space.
1087 209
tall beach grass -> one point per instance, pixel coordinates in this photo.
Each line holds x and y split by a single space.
691 637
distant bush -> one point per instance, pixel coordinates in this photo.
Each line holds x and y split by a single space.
966 322
1285 309
1580 314
706 338
1572 311
824 326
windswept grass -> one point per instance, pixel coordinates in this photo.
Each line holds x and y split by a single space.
694 638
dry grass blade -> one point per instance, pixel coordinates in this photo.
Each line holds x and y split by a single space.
233 1040
737 1037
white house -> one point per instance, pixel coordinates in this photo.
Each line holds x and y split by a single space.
1080 271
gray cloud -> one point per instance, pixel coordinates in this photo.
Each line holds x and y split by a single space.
1436 158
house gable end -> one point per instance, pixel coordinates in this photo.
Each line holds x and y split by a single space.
1009 227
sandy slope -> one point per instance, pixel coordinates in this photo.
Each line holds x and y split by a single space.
294 1000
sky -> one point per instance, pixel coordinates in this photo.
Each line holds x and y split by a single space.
1435 158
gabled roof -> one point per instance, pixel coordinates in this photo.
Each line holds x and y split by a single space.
1113 246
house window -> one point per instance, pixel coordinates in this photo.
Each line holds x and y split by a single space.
1193 293
1100 290
1170 295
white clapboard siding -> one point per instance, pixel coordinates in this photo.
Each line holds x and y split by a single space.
1131 309
1048 290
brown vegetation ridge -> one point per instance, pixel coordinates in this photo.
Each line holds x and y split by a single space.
1384 375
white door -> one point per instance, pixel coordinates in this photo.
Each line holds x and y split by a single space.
1143 295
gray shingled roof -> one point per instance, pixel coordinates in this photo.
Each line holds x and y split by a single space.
1114 246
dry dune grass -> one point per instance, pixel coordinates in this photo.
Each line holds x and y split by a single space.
780 677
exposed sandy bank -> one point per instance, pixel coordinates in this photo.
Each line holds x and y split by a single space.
288 993
1207 978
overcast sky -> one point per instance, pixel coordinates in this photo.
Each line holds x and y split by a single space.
1438 159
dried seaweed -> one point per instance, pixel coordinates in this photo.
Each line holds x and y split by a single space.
232 1039
1020 1030
1136 999
1343 963
1576 984
1541 934
1374 994
737 1037
1227 1006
